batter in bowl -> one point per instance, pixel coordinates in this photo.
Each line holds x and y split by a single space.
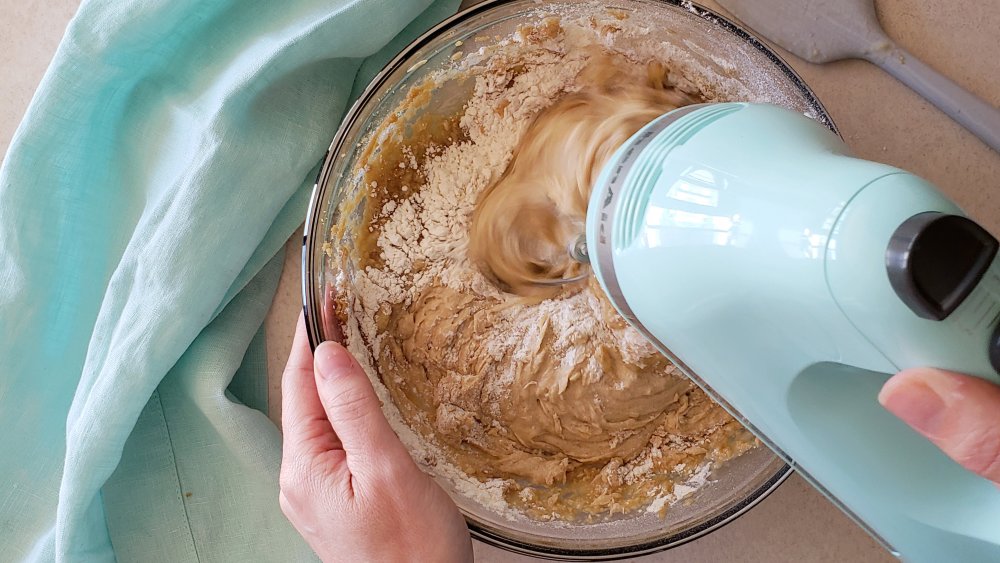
543 395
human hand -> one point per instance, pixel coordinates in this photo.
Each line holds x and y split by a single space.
958 413
348 485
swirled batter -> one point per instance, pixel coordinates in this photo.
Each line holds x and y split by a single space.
524 223
551 394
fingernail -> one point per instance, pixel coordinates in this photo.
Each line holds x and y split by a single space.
332 359
915 403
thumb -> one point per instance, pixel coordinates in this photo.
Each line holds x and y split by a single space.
958 413
355 412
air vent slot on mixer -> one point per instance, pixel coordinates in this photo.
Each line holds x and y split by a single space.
645 174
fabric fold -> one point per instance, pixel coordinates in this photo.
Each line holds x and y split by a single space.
165 159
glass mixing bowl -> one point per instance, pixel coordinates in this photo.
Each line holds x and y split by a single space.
709 40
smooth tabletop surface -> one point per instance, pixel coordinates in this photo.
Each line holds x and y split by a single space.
880 119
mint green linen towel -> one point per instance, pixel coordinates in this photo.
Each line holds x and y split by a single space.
144 202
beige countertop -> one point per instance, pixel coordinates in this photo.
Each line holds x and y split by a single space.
880 119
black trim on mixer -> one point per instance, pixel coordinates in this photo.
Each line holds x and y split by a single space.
935 261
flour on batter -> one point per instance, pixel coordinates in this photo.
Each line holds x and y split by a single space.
570 410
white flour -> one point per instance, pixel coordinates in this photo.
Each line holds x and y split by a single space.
422 240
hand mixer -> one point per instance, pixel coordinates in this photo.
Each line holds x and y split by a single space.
791 288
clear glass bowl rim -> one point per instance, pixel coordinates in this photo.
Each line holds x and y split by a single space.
314 239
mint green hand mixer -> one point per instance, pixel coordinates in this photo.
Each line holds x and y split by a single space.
791 288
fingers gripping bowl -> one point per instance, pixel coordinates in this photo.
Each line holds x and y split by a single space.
536 470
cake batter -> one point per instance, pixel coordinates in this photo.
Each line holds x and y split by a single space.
544 390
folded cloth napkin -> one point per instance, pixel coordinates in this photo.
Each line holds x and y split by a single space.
144 201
